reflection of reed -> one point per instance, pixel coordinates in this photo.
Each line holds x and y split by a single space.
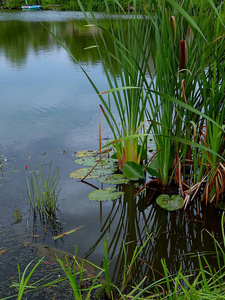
132 228
48 223
173 235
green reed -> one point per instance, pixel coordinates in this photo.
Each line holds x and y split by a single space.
207 127
185 106
70 273
25 284
179 73
206 282
169 77
129 56
169 29
23 281
42 191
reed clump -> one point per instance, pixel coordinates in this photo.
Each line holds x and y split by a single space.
165 77
170 76
42 191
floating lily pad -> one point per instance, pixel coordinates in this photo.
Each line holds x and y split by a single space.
170 203
114 179
92 161
79 174
85 153
87 161
106 194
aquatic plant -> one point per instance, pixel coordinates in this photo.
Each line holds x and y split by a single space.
24 284
206 153
206 282
130 56
70 273
178 97
108 284
185 98
174 202
23 281
42 191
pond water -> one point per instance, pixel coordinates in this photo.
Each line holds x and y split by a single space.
49 111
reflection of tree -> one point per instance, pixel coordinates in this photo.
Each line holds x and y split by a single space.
174 234
78 37
17 38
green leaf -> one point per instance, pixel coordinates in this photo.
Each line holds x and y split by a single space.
174 202
106 194
79 174
17 216
126 138
114 179
152 172
154 164
221 205
85 153
133 171
92 161
109 168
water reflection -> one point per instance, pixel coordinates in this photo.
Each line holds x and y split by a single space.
173 236
31 35
18 38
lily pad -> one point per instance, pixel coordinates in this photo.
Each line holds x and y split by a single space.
106 194
87 161
114 179
174 202
79 174
85 153
92 161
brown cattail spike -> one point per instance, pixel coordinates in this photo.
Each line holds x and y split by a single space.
182 55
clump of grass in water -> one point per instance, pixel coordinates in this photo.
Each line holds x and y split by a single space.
42 191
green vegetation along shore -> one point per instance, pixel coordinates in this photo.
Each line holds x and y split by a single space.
95 5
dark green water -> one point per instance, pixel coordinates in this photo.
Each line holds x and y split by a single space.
49 111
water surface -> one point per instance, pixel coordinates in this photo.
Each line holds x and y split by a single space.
48 112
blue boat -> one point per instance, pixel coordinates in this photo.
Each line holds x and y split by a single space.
31 7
